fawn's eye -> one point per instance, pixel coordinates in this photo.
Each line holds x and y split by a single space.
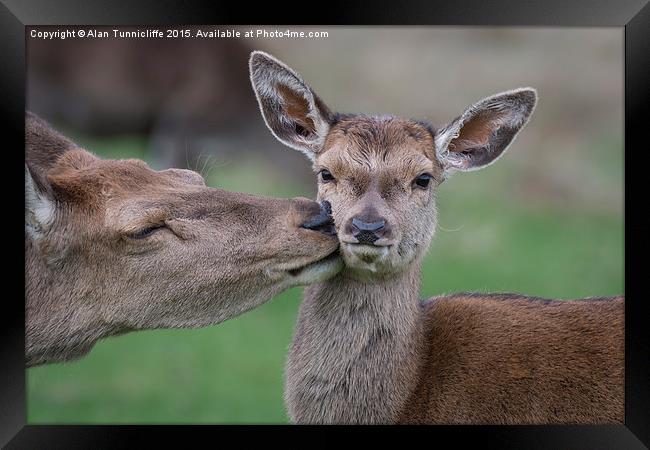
146 232
422 181
326 176
302 131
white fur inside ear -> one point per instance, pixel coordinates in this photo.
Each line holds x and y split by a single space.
266 73
307 146
444 137
39 210
509 109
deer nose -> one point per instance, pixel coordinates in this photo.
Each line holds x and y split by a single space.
322 221
368 226
367 232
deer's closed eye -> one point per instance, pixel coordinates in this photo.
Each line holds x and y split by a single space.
145 232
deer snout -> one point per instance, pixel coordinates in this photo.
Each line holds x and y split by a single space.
320 218
367 229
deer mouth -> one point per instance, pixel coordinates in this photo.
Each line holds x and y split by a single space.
298 270
316 271
366 258
367 250
353 242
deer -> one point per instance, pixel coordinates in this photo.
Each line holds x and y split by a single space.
112 246
188 119
366 349
69 82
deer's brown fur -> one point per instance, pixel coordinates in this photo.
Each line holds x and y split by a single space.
366 349
511 359
113 246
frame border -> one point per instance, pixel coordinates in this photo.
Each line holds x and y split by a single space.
633 15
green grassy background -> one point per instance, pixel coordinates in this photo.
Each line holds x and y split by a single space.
493 235
545 220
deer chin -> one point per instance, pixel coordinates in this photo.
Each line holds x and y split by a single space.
365 259
309 272
318 271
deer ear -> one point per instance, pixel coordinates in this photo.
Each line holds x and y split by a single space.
43 146
39 206
484 131
292 111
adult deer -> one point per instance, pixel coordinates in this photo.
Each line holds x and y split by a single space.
366 349
113 246
69 82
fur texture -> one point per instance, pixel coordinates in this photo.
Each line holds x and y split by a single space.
367 350
113 246
511 359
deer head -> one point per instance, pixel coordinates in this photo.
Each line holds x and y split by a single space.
114 246
380 173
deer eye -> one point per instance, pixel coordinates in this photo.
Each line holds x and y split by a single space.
326 176
422 181
302 131
145 232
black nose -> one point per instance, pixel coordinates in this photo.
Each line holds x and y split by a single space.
368 226
367 232
323 221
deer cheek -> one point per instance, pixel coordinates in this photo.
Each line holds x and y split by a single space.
422 198
327 190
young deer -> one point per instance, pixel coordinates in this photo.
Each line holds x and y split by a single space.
366 349
113 246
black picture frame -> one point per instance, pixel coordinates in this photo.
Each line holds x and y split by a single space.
632 15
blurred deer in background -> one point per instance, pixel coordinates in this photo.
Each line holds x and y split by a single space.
189 97
366 349
113 246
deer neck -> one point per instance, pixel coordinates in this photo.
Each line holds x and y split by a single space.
355 354
62 317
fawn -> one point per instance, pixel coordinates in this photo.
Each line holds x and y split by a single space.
366 349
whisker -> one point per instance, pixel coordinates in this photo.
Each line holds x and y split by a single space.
450 230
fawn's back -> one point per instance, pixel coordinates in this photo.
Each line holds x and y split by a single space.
506 358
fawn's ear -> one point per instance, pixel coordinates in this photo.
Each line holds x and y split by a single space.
292 111
484 131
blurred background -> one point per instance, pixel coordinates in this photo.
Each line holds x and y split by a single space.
547 220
